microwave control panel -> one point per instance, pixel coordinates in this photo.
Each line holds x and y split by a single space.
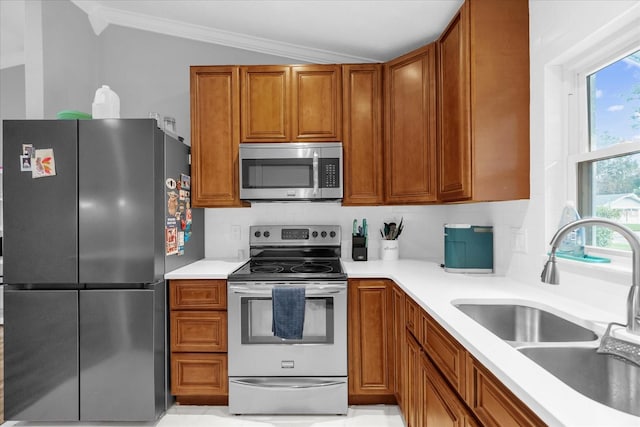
330 173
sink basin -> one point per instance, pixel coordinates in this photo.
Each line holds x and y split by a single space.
604 378
524 324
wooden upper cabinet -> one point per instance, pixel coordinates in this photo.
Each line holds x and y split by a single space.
454 146
284 103
362 134
410 127
265 103
215 136
316 103
483 109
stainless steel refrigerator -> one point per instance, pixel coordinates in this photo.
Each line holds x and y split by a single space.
95 212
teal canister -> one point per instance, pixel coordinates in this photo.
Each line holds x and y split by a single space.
468 248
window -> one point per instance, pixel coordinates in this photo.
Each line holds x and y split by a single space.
608 158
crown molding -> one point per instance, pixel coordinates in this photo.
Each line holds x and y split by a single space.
101 16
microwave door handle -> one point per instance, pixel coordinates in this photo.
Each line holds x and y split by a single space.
315 174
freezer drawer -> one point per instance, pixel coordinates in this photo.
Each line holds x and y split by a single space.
89 355
41 355
119 380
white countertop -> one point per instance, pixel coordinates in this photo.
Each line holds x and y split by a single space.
434 289
206 269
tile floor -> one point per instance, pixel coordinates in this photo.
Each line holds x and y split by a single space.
218 416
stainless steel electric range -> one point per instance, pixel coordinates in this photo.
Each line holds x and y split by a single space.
305 374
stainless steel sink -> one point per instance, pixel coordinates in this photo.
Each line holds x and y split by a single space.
520 324
604 378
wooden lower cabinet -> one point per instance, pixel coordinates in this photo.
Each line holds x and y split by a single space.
441 406
198 331
446 352
429 399
443 385
370 317
493 403
412 399
199 374
398 340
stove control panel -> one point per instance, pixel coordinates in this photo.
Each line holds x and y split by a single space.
295 235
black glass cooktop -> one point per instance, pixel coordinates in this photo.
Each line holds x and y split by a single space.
290 268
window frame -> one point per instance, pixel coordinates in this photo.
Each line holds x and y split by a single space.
617 46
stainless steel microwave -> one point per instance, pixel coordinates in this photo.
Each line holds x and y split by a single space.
291 171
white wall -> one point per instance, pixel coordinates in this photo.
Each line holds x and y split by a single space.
556 27
70 59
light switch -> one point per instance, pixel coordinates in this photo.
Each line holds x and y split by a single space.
235 232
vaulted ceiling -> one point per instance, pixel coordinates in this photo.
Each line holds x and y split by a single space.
321 31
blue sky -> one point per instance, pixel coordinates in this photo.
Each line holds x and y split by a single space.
613 85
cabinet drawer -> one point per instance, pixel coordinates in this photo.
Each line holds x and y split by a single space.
449 356
199 331
198 294
493 403
199 374
412 316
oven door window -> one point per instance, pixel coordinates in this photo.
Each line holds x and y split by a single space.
277 173
256 320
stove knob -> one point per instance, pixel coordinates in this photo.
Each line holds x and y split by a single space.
267 234
314 234
323 234
257 234
332 234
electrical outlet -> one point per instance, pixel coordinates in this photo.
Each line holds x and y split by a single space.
519 240
235 232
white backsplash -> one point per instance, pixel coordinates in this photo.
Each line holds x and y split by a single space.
422 238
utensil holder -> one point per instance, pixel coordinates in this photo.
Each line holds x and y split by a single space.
389 250
358 248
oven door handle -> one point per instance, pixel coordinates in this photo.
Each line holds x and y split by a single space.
265 384
308 292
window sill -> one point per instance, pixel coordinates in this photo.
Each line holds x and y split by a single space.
617 271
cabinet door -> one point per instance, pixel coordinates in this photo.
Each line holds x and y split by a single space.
265 108
454 112
441 406
198 331
410 119
399 328
199 374
370 350
412 316
499 31
493 403
447 354
215 139
198 294
412 389
362 134
316 108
